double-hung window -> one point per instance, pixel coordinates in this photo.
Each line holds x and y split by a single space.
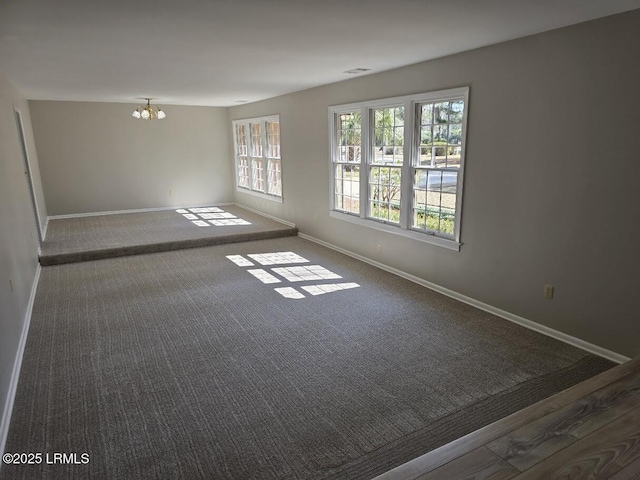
257 156
397 164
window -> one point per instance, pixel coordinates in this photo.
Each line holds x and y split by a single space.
397 164
257 156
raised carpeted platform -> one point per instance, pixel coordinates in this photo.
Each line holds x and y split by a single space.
273 359
80 239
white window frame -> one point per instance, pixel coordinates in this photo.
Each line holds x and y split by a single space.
411 105
265 157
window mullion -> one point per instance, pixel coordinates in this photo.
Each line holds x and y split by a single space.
236 157
265 158
365 160
249 154
407 164
333 142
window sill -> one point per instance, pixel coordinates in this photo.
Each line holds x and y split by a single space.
264 196
412 234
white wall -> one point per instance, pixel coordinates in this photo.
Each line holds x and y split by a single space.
95 157
18 239
551 191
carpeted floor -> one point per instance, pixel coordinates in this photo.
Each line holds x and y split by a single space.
105 236
184 364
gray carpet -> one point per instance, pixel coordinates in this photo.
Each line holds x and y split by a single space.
96 237
183 364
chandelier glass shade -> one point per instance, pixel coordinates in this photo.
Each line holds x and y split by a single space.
148 112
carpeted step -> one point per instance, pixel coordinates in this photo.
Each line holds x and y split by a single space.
126 250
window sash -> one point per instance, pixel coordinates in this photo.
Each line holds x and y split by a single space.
385 193
274 177
257 174
242 165
346 181
273 139
435 192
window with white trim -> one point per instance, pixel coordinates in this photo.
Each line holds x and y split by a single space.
257 156
397 164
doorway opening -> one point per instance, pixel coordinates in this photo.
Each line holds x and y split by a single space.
27 173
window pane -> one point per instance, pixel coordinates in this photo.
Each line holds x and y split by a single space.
388 135
347 188
426 117
439 146
426 135
274 177
456 111
440 112
454 155
440 134
384 193
455 134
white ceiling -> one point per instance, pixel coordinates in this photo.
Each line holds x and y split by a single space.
216 52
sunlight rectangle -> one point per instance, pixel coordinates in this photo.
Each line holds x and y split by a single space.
289 292
240 261
200 223
277 258
328 288
303 274
263 276
226 222
205 209
209 216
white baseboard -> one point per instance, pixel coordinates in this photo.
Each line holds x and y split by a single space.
13 385
531 325
271 217
44 229
134 210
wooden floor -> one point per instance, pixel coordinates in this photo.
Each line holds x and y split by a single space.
590 431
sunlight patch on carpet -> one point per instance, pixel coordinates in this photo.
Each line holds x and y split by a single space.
216 217
263 276
289 292
328 288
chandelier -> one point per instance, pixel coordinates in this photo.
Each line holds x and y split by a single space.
148 112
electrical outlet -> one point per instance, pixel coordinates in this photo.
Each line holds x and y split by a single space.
548 292
379 249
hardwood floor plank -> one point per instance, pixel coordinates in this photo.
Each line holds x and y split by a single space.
442 455
480 464
599 455
630 472
538 440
